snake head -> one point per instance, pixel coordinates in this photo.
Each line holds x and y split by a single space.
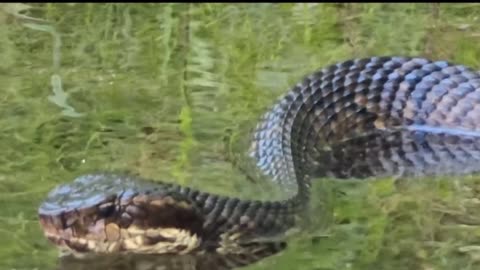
105 213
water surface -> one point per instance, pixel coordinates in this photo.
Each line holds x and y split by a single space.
171 92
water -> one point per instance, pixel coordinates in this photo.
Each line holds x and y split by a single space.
171 92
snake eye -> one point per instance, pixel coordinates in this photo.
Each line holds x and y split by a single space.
106 209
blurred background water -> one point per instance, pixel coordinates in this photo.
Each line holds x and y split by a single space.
172 91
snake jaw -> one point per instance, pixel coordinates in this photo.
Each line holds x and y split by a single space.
122 222
108 236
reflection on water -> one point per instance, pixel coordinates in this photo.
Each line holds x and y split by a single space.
411 151
170 262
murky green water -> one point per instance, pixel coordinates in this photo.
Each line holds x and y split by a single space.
171 91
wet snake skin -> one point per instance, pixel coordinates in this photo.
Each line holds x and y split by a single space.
361 118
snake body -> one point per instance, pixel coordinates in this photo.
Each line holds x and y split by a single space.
359 118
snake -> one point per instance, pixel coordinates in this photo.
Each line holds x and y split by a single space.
363 118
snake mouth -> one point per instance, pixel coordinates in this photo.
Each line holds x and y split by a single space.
157 222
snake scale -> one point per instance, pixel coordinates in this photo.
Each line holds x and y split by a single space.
360 118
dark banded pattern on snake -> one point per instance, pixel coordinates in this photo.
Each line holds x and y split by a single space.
371 117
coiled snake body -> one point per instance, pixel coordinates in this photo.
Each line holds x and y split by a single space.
360 118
